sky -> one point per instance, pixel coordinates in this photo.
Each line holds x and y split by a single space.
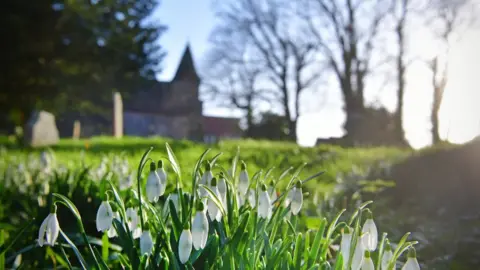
191 21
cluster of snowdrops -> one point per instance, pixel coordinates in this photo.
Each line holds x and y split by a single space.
225 220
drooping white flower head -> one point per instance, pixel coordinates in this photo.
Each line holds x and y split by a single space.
205 180
358 255
222 189
412 263
185 244
213 211
162 174
243 182
104 216
272 192
133 222
200 227
264 203
387 256
153 187
48 233
240 200
370 229
297 198
174 198
146 242
45 161
367 263
251 197
345 245
112 232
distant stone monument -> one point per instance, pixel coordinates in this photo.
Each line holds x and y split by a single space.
41 129
76 130
117 115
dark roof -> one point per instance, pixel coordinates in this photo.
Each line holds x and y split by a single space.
186 68
221 126
149 100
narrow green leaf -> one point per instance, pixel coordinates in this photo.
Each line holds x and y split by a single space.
5 247
174 162
65 258
214 159
297 253
82 261
314 251
234 164
177 224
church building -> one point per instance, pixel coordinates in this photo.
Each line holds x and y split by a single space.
173 109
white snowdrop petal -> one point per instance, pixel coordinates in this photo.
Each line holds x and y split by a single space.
199 230
41 231
104 217
345 248
411 264
297 200
146 243
243 182
185 246
368 264
53 229
163 180
371 240
386 258
358 255
264 205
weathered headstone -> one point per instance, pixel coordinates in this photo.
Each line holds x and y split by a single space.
117 115
41 129
76 130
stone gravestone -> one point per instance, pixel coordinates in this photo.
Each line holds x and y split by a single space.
76 130
117 115
41 130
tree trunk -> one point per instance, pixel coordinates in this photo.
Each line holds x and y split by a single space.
399 133
249 131
292 127
354 111
434 117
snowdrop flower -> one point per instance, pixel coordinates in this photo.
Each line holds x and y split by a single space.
104 216
345 245
163 177
297 198
240 200
367 261
369 228
205 180
45 160
102 169
185 244
264 203
222 189
386 256
358 254
112 232
272 192
146 242
213 212
153 188
133 222
243 179
412 263
49 229
251 197
174 198
200 227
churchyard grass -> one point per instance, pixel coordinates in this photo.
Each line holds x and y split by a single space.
93 189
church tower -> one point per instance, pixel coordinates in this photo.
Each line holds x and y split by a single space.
185 94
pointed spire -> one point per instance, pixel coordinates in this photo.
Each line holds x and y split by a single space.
186 68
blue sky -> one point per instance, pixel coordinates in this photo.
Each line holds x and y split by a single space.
191 21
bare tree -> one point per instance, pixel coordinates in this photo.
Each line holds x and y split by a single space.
450 18
234 86
346 31
274 44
